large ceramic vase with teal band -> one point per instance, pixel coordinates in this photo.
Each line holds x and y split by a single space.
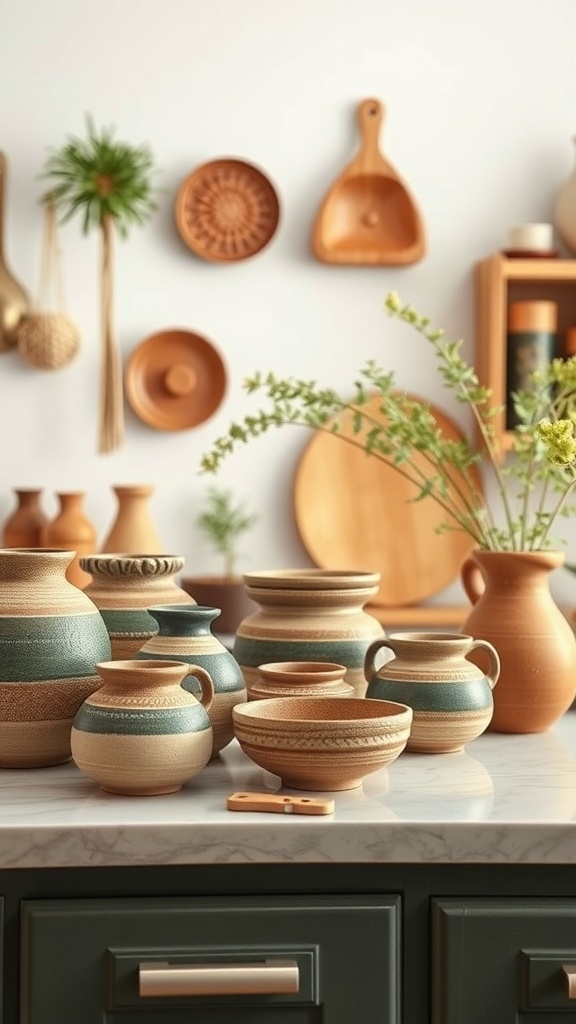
51 637
185 634
308 615
142 733
430 672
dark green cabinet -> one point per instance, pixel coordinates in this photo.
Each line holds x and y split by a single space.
343 951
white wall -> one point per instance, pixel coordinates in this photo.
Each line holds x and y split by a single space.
481 107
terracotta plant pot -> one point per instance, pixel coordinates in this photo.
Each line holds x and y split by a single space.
229 595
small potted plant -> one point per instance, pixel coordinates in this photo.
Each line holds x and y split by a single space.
223 520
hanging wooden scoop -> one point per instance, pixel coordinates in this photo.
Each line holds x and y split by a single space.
369 215
13 298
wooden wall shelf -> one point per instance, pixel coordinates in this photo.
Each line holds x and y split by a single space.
499 281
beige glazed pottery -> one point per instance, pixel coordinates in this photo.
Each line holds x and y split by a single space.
301 679
308 615
450 696
322 743
141 733
515 611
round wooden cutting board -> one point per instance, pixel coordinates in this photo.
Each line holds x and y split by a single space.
355 512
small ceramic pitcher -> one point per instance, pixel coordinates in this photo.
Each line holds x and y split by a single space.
430 672
142 733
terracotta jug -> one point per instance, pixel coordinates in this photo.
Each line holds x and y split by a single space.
141 733
72 530
133 531
51 636
185 633
308 615
450 696
24 527
124 586
515 611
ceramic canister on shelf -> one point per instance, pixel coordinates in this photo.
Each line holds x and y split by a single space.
24 526
51 636
133 530
185 634
308 615
141 733
530 346
72 530
124 586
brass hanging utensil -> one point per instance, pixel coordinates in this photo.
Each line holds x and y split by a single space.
13 298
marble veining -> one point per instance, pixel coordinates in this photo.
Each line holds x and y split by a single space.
505 799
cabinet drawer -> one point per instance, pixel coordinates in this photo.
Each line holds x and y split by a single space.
496 959
91 960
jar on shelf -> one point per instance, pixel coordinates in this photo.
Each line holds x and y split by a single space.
530 346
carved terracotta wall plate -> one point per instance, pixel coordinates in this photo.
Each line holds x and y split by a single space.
226 210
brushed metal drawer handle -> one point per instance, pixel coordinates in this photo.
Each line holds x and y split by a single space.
570 972
265 977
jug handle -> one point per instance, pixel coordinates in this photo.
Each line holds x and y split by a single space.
370 656
493 658
206 685
472 579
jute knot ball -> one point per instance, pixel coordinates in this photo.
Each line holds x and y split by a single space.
48 341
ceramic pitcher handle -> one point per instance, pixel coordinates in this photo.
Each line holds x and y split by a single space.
370 656
472 579
493 657
206 685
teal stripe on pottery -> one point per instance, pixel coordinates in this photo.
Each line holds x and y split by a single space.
226 673
130 621
254 652
471 695
145 722
51 646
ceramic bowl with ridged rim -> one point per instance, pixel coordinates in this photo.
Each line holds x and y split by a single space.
322 744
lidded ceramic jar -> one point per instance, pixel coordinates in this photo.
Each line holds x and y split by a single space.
185 634
301 679
141 733
51 636
308 615
124 586
450 696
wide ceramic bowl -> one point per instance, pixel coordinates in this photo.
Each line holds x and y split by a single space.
322 743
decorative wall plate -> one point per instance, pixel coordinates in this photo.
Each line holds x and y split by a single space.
175 379
226 210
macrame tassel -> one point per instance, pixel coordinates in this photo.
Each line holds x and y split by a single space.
111 391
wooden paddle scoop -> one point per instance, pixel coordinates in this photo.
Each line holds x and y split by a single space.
278 804
369 215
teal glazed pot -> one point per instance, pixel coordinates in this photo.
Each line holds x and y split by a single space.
430 672
142 733
308 615
51 637
185 634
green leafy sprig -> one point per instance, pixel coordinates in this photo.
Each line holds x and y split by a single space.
224 520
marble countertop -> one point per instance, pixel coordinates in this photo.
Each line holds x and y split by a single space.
506 799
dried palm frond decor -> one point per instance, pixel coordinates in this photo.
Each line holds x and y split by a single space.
109 184
48 340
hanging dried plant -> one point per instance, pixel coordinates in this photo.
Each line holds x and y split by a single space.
109 184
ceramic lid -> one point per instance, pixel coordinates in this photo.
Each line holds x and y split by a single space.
175 379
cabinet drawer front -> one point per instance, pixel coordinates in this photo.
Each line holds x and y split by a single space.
93 953
495 959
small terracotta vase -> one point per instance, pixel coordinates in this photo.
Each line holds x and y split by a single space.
301 679
229 595
72 530
185 633
308 615
515 611
133 531
51 636
123 587
450 696
24 527
142 733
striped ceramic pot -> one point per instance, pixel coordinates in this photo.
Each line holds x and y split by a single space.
308 615
124 586
142 733
51 636
184 633
430 672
